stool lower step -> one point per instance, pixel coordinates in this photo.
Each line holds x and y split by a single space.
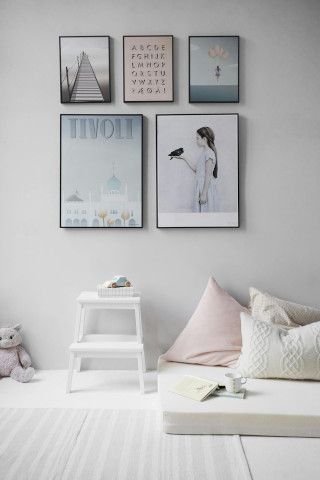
107 343
87 347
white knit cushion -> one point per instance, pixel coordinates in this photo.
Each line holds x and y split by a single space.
271 351
280 311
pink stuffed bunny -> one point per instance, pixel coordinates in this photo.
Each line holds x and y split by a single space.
14 360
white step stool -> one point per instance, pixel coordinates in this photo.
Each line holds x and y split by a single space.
106 346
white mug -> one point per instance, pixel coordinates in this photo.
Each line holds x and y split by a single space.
234 382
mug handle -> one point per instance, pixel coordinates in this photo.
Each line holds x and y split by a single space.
243 381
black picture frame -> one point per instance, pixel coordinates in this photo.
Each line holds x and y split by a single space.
62 115
125 100
237 100
66 92
236 115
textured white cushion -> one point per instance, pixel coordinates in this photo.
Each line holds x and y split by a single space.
280 311
271 351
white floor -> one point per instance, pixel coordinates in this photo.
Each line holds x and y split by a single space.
268 457
90 389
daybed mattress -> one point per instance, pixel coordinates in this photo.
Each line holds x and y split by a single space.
271 407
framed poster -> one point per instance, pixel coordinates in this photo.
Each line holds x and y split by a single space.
85 69
197 170
101 171
148 68
214 69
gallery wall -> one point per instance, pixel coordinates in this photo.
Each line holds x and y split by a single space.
276 248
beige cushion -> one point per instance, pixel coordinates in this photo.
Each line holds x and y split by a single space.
213 333
280 311
271 351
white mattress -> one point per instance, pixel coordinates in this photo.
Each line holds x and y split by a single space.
272 407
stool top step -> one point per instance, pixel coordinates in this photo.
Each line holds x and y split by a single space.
93 297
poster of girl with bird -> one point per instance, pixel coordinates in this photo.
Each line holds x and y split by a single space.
197 170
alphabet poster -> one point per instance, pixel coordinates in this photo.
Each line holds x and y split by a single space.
101 171
148 68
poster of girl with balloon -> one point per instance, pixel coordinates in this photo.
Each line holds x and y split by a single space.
213 69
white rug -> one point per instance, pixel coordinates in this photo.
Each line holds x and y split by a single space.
70 444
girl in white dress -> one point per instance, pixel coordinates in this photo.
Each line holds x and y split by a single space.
205 197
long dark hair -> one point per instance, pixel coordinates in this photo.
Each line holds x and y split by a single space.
207 132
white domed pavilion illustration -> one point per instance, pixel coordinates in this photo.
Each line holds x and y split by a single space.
112 209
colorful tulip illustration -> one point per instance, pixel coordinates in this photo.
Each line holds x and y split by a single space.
102 214
125 216
218 52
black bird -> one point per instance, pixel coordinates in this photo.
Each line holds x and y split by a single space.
176 153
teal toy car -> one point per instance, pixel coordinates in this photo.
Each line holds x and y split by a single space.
120 281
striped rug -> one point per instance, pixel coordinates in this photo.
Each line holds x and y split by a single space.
72 444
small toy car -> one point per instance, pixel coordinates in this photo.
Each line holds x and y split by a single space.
117 281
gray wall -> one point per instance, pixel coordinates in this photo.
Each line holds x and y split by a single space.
43 268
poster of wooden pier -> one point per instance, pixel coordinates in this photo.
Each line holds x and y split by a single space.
85 69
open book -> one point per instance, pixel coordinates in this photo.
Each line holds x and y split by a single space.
195 388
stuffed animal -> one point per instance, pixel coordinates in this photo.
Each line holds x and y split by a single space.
14 360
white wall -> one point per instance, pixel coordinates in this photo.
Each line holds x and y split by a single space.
43 267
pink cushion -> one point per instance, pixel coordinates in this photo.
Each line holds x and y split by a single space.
213 333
